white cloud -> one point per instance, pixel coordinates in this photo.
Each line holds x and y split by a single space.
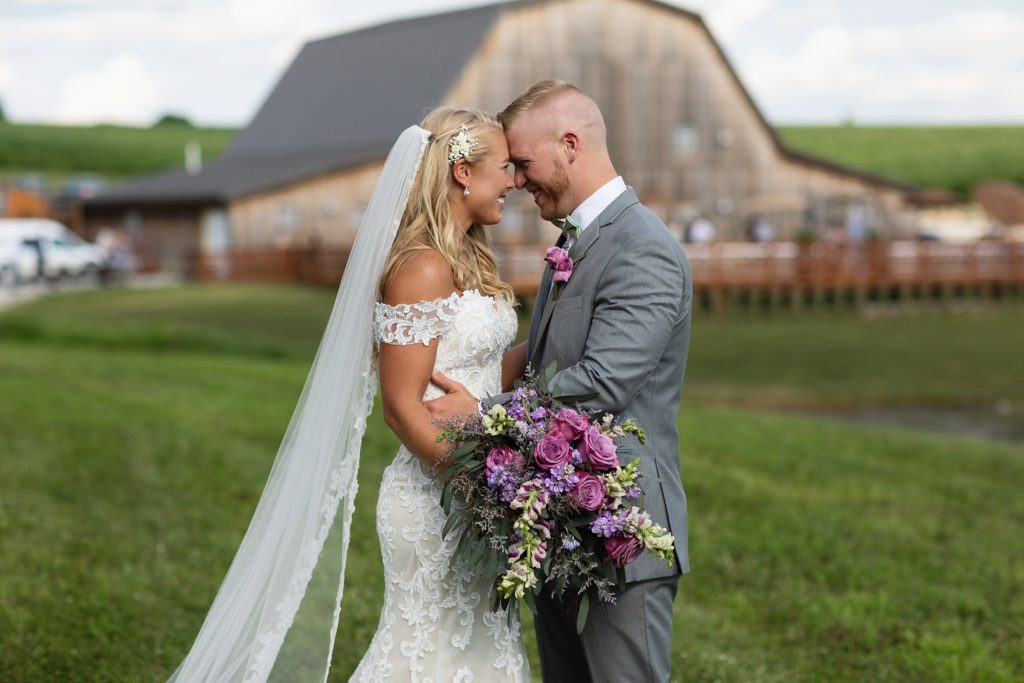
124 90
215 60
729 18
967 66
6 76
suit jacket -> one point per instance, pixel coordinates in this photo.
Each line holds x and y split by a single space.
620 328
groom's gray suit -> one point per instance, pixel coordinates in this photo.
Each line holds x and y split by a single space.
620 328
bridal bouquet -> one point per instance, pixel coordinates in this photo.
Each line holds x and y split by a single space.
542 498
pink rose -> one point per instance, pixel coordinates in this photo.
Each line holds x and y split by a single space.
561 262
620 551
570 423
502 456
552 451
589 491
599 449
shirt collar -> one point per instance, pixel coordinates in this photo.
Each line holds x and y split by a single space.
587 212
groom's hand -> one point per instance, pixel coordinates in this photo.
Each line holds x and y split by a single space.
456 401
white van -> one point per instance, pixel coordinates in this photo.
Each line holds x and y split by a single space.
34 248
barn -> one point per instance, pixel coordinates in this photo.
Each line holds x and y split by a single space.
683 131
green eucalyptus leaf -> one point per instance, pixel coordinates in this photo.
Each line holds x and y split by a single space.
464 543
446 497
452 521
583 520
583 613
559 585
465 447
528 598
478 553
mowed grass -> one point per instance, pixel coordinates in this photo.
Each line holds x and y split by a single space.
821 551
968 359
950 157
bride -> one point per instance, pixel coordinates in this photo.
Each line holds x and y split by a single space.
420 294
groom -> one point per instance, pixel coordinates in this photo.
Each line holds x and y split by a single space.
619 328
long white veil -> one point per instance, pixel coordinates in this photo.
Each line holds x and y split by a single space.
276 613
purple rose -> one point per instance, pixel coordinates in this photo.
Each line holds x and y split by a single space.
561 262
620 550
599 449
589 491
552 451
502 456
570 423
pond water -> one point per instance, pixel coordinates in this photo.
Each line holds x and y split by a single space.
1003 422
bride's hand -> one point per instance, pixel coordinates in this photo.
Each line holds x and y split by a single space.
456 401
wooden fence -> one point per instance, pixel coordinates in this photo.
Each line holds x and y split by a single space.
790 275
725 274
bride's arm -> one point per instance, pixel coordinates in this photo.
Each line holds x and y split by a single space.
405 369
513 365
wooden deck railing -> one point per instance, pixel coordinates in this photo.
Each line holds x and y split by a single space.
836 266
719 270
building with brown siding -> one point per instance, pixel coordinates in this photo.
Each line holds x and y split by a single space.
683 131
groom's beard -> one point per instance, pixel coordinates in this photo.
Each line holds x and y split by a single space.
552 194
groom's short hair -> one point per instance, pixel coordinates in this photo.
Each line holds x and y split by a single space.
538 93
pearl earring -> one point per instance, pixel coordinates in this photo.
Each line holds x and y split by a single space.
465 191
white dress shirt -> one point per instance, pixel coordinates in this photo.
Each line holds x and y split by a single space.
587 212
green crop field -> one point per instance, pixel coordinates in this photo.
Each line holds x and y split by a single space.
113 151
137 429
954 158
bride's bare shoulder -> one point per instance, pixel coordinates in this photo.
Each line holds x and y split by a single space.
425 276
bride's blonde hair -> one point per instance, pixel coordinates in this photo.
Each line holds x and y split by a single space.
428 222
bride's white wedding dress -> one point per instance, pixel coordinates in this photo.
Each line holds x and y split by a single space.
436 625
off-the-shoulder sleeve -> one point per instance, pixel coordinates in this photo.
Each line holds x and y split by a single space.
417 323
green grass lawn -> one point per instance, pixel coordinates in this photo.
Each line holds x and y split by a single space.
137 429
968 359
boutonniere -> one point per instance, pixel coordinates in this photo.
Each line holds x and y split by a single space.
562 263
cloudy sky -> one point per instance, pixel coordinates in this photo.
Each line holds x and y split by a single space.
822 61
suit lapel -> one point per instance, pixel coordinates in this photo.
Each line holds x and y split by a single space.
549 306
578 252
540 305
585 242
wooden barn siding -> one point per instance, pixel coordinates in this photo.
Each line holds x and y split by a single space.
649 69
326 209
161 238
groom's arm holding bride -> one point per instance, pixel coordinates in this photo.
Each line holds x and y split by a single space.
637 305
459 401
638 302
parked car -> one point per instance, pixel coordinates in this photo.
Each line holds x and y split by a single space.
20 261
40 247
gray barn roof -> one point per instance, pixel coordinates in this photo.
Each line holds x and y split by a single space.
342 101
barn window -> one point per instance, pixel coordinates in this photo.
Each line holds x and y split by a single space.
684 138
330 207
287 219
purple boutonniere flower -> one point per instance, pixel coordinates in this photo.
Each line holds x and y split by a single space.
562 263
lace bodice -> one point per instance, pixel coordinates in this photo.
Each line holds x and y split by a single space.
473 332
